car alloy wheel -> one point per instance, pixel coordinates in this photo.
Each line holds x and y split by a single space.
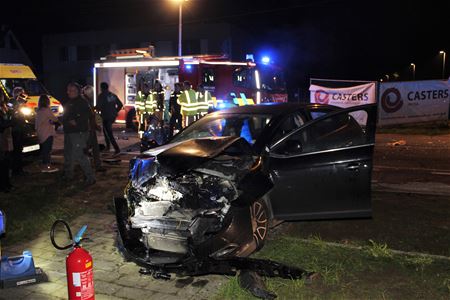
260 222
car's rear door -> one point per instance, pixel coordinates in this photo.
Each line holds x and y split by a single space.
323 169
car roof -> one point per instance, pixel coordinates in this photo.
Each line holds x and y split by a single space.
274 108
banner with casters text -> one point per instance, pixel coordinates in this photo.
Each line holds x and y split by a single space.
413 102
345 97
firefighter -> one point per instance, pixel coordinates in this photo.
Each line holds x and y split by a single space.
188 103
158 97
176 121
140 102
203 99
150 108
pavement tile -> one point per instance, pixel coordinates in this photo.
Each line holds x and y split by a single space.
114 277
106 288
105 265
105 275
37 296
106 297
134 293
14 293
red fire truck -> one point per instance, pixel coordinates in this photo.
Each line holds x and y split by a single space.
230 83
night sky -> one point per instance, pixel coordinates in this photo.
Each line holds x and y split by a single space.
324 38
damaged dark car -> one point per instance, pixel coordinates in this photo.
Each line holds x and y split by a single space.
209 194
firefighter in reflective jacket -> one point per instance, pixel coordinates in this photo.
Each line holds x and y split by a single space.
203 98
158 100
188 103
145 106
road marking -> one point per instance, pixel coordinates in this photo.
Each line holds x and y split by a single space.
413 169
441 173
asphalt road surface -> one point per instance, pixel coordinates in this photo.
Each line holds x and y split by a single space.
408 159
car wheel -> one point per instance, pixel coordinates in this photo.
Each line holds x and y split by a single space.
260 222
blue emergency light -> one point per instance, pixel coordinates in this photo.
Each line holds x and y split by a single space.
265 60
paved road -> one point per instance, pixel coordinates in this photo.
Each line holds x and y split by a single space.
405 158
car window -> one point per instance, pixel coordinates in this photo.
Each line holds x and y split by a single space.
292 122
337 131
248 127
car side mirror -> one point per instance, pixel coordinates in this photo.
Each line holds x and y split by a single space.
293 146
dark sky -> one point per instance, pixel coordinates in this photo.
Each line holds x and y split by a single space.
344 39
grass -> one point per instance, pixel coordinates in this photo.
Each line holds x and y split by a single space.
40 199
371 273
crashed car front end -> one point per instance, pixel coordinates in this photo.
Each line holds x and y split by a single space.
191 199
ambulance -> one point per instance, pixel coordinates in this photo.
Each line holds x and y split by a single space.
230 83
18 75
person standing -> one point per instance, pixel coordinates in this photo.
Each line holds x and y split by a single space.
143 97
5 131
109 106
158 96
45 128
76 133
87 92
176 119
203 98
188 103
167 95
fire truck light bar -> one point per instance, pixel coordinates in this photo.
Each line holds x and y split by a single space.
125 64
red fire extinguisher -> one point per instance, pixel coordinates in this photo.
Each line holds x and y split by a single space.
79 265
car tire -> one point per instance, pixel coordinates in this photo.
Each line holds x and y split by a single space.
260 222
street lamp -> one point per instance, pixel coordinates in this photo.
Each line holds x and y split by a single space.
413 66
443 63
180 25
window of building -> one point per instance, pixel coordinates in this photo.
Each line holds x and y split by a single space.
64 54
84 53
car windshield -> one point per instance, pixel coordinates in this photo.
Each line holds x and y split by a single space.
32 87
246 126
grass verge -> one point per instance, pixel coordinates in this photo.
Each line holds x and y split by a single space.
40 199
372 273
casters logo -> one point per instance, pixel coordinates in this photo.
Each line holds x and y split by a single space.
321 97
391 100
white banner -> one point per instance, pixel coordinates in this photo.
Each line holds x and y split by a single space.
345 97
413 102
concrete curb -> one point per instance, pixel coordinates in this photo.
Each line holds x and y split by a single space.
396 252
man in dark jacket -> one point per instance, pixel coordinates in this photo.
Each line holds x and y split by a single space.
76 133
5 124
109 105
175 108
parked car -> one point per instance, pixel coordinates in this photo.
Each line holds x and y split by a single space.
212 189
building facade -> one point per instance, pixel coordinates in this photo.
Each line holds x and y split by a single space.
71 56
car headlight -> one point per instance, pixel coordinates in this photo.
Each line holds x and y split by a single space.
26 111
60 109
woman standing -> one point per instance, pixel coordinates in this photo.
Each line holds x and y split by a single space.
45 127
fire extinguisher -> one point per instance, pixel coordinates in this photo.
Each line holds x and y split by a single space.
79 265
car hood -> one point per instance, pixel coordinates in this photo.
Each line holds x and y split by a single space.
182 156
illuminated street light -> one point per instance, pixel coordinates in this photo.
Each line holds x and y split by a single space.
443 63
413 66
180 25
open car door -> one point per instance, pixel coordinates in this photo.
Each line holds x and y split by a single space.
323 169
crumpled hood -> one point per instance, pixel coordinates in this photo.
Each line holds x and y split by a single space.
190 154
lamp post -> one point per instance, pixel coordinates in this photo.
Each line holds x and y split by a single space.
413 66
180 25
443 63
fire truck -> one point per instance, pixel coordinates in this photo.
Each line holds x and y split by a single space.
230 83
